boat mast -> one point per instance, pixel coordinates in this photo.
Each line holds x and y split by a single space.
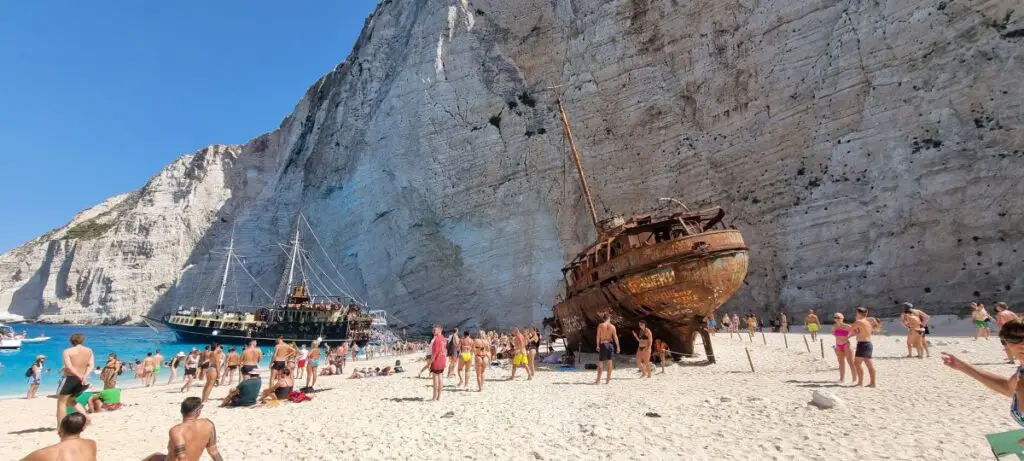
576 157
295 252
227 267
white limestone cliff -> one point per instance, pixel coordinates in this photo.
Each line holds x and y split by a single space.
869 151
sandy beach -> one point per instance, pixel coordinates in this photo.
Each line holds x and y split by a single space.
921 410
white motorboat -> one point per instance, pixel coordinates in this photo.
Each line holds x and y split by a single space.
8 340
37 339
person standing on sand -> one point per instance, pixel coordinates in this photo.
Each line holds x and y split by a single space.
303 356
72 446
147 369
78 363
532 345
844 354
915 333
481 352
35 376
751 324
453 351
438 347
981 320
643 349
109 373
727 323
191 368
908 309
1004 316
607 347
465 359
813 325
251 357
173 366
187 441
158 362
212 371
279 361
735 324
313 364
233 362
784 322
519 354
1012 334
862 329
661 347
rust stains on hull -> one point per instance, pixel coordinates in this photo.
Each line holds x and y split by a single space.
673 284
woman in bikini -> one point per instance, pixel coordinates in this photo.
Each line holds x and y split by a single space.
109 373
191 369
1012 334
466 346
844 353
312 363
915 333
482 351
643 350
532 344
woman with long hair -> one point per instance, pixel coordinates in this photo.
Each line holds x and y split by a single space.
532 344
1012 334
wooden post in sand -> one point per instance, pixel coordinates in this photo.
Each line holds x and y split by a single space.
806 344
763 339
822 348
785 338
751 362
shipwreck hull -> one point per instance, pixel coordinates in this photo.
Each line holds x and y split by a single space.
673 285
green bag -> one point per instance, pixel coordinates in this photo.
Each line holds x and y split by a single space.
1005 443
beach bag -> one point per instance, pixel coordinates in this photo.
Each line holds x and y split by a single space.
28 373
299 397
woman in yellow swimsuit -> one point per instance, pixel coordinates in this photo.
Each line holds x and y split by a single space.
465 359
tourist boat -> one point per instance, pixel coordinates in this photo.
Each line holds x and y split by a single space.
8 339
37 339
301 317
671 270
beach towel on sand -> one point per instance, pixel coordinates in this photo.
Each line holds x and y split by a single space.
1006 443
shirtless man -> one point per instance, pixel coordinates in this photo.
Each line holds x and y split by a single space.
980 318
643 349
233 362
813 325
607 347
915 333
72 446
279 361
519 354
78 363
213 371
862 329
251 357
909 309
466 359
1004 315
188 440
158 362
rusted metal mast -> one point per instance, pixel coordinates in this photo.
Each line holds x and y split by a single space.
579 166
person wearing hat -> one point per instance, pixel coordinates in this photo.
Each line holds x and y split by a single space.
908 310
34 375
175 361
246 393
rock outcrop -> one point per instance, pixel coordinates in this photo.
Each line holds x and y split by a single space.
870 152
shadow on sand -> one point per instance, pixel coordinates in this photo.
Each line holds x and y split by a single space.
405 399
33 431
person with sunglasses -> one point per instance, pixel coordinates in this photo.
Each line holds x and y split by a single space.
1012 334
192 437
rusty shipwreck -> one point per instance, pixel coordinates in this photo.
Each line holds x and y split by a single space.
671 270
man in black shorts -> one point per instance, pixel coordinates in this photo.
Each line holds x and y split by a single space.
279 361
607 347
78 363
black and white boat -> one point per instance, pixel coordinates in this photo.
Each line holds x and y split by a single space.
301 317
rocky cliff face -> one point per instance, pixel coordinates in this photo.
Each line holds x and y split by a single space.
868 150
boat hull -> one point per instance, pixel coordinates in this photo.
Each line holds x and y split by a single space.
673 286
198 334
10 344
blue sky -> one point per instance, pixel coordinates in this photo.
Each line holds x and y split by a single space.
97 96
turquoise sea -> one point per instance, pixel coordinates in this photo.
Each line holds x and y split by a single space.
130 343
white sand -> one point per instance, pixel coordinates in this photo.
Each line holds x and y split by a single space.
921 411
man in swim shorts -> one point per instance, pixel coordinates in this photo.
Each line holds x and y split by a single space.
519 353
233 361
78 363
980 318
251 357
607 347
71 447
438 348
813 325
862 328
279 361
158 361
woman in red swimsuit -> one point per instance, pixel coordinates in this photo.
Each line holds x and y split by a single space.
844 354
